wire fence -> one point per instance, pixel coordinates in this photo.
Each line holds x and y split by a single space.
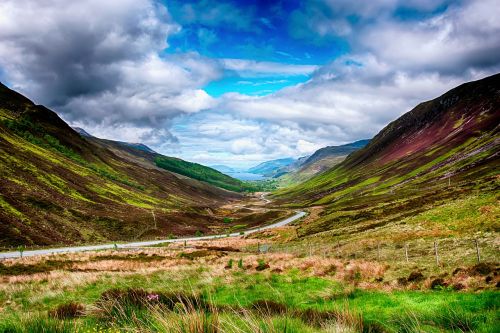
439 252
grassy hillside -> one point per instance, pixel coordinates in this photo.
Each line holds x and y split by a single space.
201 172
320 161
57 187
442 152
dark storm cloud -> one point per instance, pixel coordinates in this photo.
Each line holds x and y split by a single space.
98 62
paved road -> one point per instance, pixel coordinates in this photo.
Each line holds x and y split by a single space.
263 197
5 255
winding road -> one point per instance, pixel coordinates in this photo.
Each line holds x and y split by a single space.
16 254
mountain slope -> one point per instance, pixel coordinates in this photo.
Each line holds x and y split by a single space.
59 187
222 168
444 149
269 168
178 166
320 161
203 173
335 151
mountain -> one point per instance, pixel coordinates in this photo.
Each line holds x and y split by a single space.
320 161
138 146
223 168
443 152
82 132
59 186
203 173
334 151
145 155
269 168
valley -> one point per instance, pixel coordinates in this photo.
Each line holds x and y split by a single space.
394 234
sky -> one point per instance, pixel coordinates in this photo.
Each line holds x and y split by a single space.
241 82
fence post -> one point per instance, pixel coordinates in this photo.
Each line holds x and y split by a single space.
477 251
406 252
436 252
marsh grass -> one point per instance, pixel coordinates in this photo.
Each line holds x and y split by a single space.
200 295
156 312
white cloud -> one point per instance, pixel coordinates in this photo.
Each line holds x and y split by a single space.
245 146
458 39
219 138
252 68
305 147
394 65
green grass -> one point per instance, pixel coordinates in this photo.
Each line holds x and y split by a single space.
200 172
5 206
432 311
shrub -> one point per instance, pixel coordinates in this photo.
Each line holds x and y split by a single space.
198 233
116 298
261 265
483 269
438 283
20 248
67 311
229 264
240 263
196 254
415 277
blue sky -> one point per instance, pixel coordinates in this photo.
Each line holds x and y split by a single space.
259 31
241 82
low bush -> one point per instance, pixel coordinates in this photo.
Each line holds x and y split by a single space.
68 311
261 265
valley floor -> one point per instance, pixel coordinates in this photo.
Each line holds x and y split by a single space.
435 271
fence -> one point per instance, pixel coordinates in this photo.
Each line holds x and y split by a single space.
439 252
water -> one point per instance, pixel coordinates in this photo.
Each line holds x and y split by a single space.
245 175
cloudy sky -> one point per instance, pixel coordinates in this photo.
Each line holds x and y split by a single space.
240 82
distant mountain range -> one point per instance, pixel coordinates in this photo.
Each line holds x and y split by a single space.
291 170
269 168
223 168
